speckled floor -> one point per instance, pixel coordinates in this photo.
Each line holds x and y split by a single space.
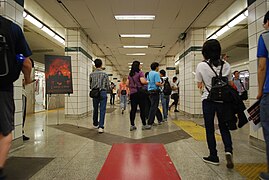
78 155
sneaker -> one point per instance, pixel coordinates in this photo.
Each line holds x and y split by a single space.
229 158
95 127
160 123
264 176
211 160
148 127
164 120
100 130
154 124
144 127
132 128
122 111
25 138
176 110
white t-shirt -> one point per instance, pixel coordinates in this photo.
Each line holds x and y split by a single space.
205 73
174 85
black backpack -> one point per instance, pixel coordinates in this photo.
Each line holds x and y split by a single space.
167 90
9 67
220 89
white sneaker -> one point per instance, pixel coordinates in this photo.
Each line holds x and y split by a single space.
100 130
95 127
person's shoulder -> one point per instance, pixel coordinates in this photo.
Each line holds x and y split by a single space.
202 64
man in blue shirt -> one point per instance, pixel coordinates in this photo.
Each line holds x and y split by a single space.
263 85
154 82
17 43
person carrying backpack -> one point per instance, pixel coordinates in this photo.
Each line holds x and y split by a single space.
206 76
12 45
166 91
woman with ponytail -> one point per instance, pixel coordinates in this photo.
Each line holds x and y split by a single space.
212 52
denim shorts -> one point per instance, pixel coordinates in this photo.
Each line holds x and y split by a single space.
7 111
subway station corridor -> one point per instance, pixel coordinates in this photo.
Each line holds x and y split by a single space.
74 150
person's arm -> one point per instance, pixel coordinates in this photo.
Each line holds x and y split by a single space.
143 80
27 69
261 76
158 80
200 85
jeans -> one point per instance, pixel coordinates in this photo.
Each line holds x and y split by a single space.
102 101
112 99
137 99
264 115
209 110
154 101
123 101
165 104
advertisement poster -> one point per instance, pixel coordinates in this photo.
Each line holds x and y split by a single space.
58 74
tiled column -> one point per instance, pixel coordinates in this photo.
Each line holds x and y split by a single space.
170 67
109 71
187 60
13 11
78 47
256 12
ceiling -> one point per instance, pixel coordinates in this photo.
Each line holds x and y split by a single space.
96 18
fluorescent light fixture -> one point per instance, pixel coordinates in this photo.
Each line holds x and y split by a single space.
34 21
135 46
177 63
134 17
222 30
136 54
237 20
132 63
246 13
24 14
58 38
48 31
135 35
213 37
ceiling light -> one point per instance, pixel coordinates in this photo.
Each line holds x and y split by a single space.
135 46
34 21
222 30
135 35
134 17
58 38
246 13
48 31
24 14
136 54
237 20
213 37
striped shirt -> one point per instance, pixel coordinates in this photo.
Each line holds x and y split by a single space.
99 79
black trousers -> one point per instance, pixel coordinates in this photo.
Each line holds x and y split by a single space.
147 107
137 98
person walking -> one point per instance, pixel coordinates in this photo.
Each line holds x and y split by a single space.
12 43
175 94
136 81
204 73
99 80
123 94
113 92
154 82
165 94
263 87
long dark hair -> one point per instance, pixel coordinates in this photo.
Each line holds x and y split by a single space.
134 68
212 51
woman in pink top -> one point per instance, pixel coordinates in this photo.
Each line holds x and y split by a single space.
123 94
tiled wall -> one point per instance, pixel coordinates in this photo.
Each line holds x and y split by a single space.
170 62
190 97
78 103
11 10
256 13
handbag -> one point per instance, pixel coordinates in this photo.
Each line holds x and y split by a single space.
95 93
244 95
123 92
139 89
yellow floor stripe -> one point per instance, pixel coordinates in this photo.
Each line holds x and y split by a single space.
194 130
250 171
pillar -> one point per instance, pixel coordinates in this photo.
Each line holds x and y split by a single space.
170 67
78 46
186 61
14 11
256 12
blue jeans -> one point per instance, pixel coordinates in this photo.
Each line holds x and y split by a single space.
123 101
209 110
154 101
102 101
165 104
264 115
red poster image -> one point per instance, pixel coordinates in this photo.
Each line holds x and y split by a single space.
58 75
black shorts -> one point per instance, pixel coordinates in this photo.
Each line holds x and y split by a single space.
7 110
